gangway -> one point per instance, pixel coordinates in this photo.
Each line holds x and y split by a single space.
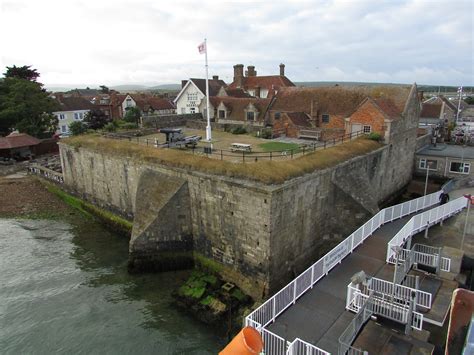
283 318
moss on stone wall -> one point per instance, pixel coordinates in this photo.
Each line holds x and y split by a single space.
113 221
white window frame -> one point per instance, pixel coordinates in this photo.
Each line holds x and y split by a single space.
423 163
192 110
78 115
247 117
465 167
63 128
61 116
364 128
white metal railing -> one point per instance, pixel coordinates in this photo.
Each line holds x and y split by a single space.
288 295
272 343
350 333
46 173
389 310
424 299
300 347
422 258
422 221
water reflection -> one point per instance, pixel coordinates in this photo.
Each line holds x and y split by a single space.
67 290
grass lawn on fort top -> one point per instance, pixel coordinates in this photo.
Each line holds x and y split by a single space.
223 140
279 147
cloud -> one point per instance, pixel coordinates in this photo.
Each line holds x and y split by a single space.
114 42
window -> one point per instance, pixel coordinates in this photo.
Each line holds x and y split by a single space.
183 110
458 167
61 116
192 109
192 96
128 102
64 128
432 164
277 115
103 102
250 116
325 118
78 115
221 113
367 129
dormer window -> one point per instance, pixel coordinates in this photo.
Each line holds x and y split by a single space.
128 102
221 113
250 116
277 115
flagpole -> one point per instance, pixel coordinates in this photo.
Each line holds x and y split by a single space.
208 128
459 103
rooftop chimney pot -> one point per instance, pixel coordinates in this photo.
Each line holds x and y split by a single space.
282 69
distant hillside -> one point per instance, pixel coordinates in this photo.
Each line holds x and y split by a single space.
173 87
129 87
341 83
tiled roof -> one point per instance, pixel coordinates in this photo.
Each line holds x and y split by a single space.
300 119
17 140
237 106
214 85
268 82
145 102
341 101
74 104
236 93
389 108
430 111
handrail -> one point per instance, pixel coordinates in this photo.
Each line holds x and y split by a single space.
422 221
46 173
288 295
377 285
301 347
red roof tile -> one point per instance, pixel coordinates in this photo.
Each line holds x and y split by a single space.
17 140
269 82
430 111
300 119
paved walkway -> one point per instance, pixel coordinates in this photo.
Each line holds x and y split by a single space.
319 316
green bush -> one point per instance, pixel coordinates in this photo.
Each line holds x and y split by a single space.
266 133
110 127
77 127
375 136
128 125
239 130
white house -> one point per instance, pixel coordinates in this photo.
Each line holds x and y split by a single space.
192 97
71 109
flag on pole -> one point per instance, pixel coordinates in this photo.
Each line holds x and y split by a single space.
202 48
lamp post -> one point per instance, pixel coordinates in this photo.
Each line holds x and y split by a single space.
396 249
469 201
428 164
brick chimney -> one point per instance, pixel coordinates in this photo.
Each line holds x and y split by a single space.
251 71
314 114
215 77
238 75
282 69
183 83
257 91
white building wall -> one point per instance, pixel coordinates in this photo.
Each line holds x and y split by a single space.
127 102
69 117
191 99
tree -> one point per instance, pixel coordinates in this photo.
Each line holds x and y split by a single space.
26 106
25 72
104 89
96 119
133 115
469 100
77 127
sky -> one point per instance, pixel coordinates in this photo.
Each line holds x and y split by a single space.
149 42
